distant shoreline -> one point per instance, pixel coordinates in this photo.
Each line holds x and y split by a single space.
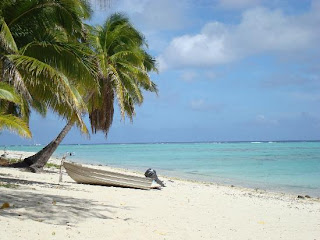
200 142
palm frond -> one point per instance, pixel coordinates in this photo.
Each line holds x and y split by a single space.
43 74
119 90
101 108
11 75
8 93
132 88
7 41
30 19
73 59
50 86
15 124
123 61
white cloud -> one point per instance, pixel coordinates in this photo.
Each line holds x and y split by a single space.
238 4
260 30
161 63
310 97
147 14
189 76
163 15
197 104
265 30
206 48
152 18
202 105
210 75
194 76
262 120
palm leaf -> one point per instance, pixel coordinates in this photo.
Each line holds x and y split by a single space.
101 108
50 87
12 76
6 39
116 80
8 93
15 124
122 61
43 74
73 59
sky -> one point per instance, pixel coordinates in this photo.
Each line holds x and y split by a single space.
230 70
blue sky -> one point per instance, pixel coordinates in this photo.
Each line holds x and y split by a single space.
230 70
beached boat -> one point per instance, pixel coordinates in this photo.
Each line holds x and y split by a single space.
87 175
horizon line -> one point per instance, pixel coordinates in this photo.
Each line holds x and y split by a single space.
238 141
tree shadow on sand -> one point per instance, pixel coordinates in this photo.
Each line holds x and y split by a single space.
50 208
12 180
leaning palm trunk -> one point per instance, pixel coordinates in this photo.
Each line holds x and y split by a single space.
123 66
36 162
100 119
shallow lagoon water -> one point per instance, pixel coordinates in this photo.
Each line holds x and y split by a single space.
278 166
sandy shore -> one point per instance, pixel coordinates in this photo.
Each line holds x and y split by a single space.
41 208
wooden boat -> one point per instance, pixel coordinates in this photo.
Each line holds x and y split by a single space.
87 175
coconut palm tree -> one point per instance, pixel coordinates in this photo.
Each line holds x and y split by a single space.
124 67
43 56
123 72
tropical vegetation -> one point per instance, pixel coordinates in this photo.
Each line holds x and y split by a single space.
38 46
54 61
9 96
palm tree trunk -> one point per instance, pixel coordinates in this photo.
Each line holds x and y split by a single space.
36 162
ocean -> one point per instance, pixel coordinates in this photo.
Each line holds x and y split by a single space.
292 167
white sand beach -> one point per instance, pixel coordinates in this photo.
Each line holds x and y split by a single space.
41 208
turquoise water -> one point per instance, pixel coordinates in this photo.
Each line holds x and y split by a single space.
278 166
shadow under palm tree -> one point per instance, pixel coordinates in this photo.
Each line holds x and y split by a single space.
51 208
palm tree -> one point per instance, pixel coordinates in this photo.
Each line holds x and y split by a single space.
123 66
42 55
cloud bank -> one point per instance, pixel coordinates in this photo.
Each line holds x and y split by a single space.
260 30
237 4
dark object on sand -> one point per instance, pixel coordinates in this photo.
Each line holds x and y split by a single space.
299 196
4 155
151 173
4 161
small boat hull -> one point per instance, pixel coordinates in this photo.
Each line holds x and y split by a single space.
87 175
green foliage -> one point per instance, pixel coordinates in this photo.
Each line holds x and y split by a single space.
15 124
9 121
43 57
12 160
50 59
6 39
124 65
8 185
52 165
8 93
